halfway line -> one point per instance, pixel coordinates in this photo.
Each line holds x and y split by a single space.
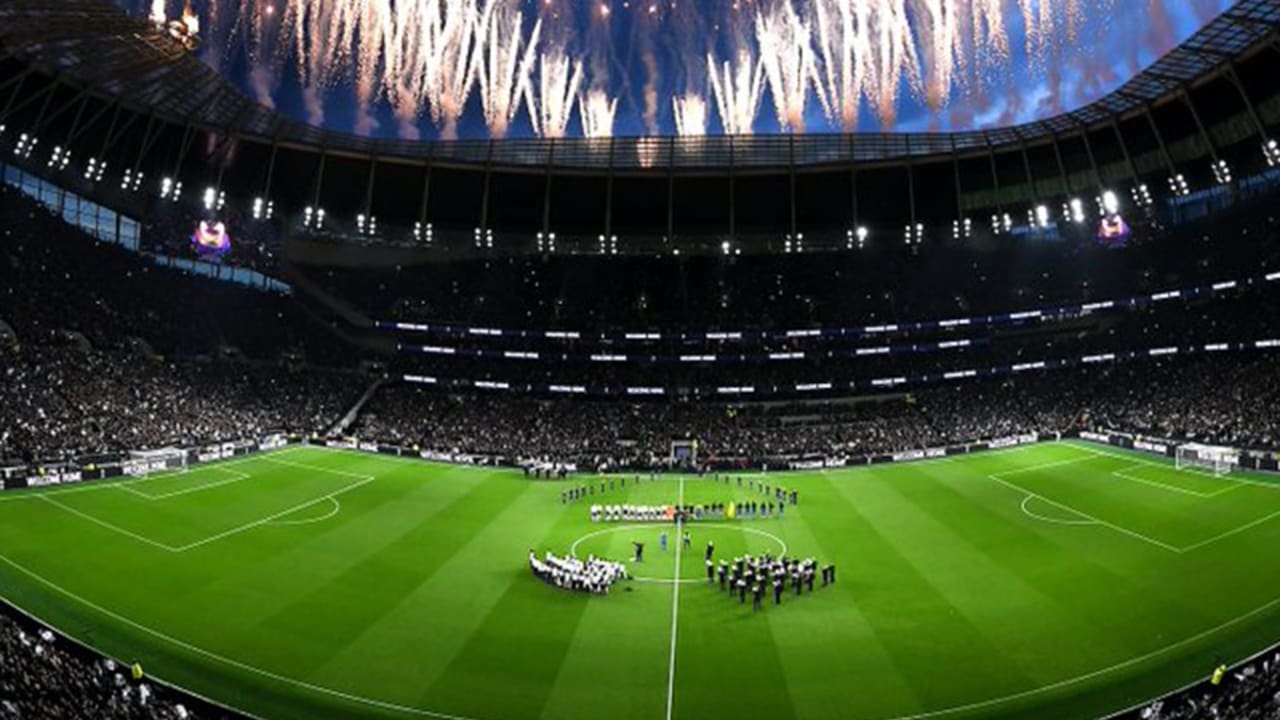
675 610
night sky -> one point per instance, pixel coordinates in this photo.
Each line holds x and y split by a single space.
644 53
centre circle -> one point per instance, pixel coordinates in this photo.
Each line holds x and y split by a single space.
674 535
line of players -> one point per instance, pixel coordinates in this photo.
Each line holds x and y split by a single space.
592 575
757 575
684 513
777 494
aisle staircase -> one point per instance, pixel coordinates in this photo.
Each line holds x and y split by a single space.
350 416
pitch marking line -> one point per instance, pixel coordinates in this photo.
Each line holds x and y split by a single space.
1122 473
364 480
675 611
94 485
337 507
103 523
236 476
1233 531
1046 518
999 477
1081 445
1118 528
263 521
421 712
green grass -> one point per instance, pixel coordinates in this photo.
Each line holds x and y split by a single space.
1055 581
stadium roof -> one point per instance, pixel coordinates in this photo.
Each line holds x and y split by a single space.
94 46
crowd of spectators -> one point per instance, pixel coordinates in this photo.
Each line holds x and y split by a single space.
1227 399
43 676
1250 692
63 402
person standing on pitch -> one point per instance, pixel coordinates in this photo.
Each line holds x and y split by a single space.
757 596
662 540
688 541
711 550
639 546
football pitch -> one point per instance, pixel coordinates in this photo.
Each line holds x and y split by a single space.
1063 580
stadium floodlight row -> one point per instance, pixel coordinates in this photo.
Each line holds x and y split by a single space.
563 387
1037 315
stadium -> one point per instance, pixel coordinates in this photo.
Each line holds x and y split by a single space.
514 359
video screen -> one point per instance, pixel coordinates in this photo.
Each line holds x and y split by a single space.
210 239
1113 231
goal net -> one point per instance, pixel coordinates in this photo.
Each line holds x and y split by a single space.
1216 459
684 453
150 462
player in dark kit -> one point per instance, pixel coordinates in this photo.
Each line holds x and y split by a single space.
711 572
777 590
757 595
711 550
639 546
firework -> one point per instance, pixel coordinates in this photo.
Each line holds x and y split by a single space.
597 111
505 63
559 78
737 88
844 47
691 114
426 58
790 64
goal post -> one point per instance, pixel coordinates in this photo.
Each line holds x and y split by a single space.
1216 459
150 462
684 453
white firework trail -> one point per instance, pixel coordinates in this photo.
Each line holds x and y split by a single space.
426 57
843 44
412 43
597 111
559 79
690 114
375 32
942 47
505 63
737 88
893 59
790 65
989 32
452 67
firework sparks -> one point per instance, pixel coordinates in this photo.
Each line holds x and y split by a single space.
691 114
451 69
426 58
559 78
597 111
844 46
790 65
737 88
505 63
